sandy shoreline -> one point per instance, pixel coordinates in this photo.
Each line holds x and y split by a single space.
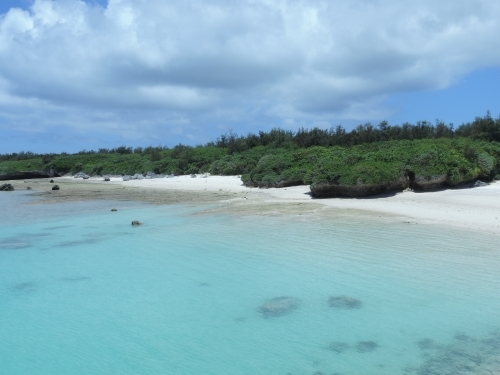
476 209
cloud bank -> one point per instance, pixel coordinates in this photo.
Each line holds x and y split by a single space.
178 67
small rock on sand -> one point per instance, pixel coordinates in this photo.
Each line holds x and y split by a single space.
136 223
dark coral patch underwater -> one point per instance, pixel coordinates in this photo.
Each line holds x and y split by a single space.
279 306
344 302
464 355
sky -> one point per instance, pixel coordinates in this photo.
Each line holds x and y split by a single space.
80 74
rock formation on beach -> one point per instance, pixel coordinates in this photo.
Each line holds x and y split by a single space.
7 187
279 306
27 175
332 190
81 175
344 302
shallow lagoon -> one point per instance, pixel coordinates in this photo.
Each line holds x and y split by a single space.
82 291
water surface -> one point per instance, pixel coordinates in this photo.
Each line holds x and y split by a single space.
84 292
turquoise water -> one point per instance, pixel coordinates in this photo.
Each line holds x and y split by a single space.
84 292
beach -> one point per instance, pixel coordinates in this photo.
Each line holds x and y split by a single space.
476 209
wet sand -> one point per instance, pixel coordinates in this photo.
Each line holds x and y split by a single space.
476 209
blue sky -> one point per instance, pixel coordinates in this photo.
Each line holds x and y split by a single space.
83 75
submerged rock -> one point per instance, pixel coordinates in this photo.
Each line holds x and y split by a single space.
136 223
344 302
338 347
425 344
279 306
7 187
366 346
107 179
28 188
51 181
114 210
55 187
464 355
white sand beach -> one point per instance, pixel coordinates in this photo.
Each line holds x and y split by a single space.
476 209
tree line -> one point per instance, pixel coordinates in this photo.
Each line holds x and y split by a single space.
484 128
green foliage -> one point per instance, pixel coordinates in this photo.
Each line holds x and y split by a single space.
366 155
458 159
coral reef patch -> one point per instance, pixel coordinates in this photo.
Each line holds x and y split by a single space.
279 306
366 346
344 302
464 355
339 347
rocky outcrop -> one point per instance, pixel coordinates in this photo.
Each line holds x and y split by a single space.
332 190
428 183
81 175
7 187
410 180
27 175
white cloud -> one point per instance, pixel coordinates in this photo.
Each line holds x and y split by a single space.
297 61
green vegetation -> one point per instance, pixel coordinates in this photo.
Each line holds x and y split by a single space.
366 155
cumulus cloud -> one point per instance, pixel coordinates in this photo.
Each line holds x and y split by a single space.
186 63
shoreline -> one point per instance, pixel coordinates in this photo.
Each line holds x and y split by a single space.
476 209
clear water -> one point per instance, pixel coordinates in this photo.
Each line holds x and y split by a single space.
84 292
